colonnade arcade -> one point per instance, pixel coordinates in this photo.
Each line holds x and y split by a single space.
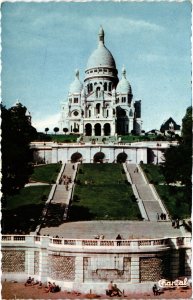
99 157
98 129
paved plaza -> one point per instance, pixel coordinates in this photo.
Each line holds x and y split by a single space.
110 229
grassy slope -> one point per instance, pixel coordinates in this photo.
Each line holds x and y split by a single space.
46 173
174 197
24 209
27 196
153 173
107 197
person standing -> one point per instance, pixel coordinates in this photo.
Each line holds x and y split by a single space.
118 238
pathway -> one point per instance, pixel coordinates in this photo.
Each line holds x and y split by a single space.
151 201
57 208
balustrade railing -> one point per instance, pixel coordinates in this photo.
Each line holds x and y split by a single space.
62 242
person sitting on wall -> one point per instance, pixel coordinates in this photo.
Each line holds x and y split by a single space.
156 290
55 288
116 291
48 288
28 281
109 291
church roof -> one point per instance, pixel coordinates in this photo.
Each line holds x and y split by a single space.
101 56
124 86
76 86
166 125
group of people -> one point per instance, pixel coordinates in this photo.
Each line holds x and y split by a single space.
161 217
66 180
30 281
176 223
52 288
113 290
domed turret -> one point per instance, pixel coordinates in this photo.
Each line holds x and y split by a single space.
123 86
101 56
76 86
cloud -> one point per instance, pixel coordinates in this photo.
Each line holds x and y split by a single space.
122 24
49 121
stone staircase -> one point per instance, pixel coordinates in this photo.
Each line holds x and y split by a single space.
57 209
151 203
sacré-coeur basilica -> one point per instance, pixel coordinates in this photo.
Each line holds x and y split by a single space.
103 105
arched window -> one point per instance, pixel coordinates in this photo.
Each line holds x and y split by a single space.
105 86
98 91
98 108
110 86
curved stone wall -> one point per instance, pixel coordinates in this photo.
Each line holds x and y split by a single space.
84 264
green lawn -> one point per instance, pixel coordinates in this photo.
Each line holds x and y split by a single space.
176 200
103 194
24 209
46 173
153 173
27 196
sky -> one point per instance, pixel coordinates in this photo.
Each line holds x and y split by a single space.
43 44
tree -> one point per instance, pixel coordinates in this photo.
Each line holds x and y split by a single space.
46 130
65 130
56 129
178 161
17 133
75 130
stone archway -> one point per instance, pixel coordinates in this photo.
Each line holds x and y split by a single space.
121 157
76 157
88 129
107 129
98 157
97 129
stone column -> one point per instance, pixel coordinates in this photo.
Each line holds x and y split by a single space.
102 130
93 131
54 154
79 269
112 129
43 265
135 269
29 262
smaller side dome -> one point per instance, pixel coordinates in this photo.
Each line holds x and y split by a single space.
76 86
124 86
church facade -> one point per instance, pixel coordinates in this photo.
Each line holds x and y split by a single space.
103 105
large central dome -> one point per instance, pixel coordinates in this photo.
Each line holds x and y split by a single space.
101 57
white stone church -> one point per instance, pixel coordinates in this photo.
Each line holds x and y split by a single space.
103 105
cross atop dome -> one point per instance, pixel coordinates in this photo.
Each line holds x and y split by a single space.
101 35
77 73
124 72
